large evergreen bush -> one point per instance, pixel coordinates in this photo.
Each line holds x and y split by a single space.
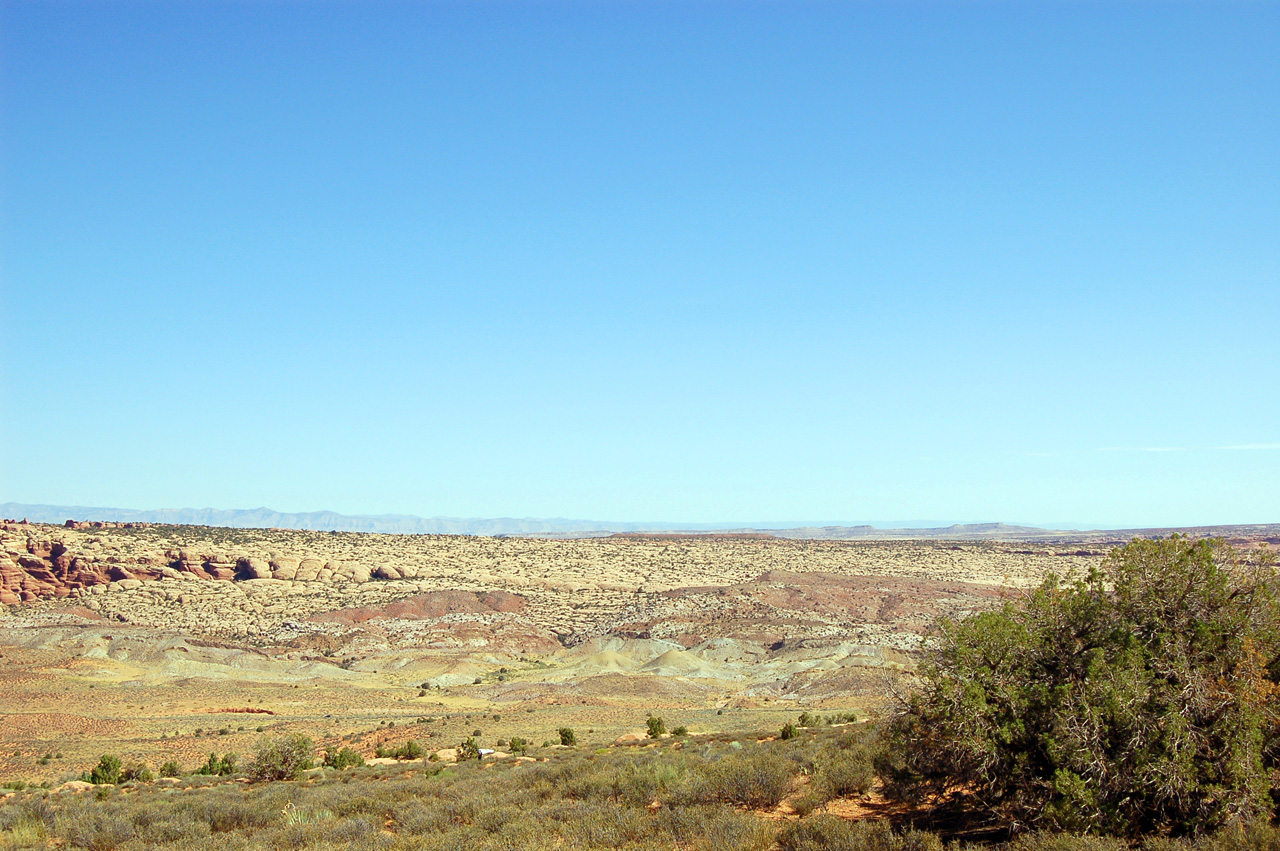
1140 698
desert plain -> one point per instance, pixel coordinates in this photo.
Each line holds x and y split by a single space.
166 643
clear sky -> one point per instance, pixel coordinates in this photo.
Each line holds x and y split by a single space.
683 261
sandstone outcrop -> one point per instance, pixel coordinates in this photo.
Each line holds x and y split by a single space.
34 568
284 568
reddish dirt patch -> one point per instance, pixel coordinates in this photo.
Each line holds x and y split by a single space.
604 689
433 604
248 710
29 726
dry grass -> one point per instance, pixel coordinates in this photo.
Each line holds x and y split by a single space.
695 796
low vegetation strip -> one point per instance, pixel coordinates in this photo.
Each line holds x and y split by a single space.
680 794
712 795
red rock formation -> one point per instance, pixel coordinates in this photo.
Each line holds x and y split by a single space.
49 569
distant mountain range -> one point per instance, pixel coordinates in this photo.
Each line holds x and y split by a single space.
267 518
558 527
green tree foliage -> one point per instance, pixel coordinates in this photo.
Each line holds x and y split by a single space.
342 758
568 737
282 757
107 771
216 766
468 750
1141 698
657 727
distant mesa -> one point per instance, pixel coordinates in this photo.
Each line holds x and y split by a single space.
763 536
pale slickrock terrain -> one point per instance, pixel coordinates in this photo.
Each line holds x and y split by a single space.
129 632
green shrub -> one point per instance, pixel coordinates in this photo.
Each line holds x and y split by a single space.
282 757
656 727
107 770
170 769
342 758
216 766
409 750
518 744
789 731
1139 698
680 731
567 736
468 750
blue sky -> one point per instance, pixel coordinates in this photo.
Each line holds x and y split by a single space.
694 262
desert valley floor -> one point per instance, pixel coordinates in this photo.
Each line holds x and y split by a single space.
168 642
